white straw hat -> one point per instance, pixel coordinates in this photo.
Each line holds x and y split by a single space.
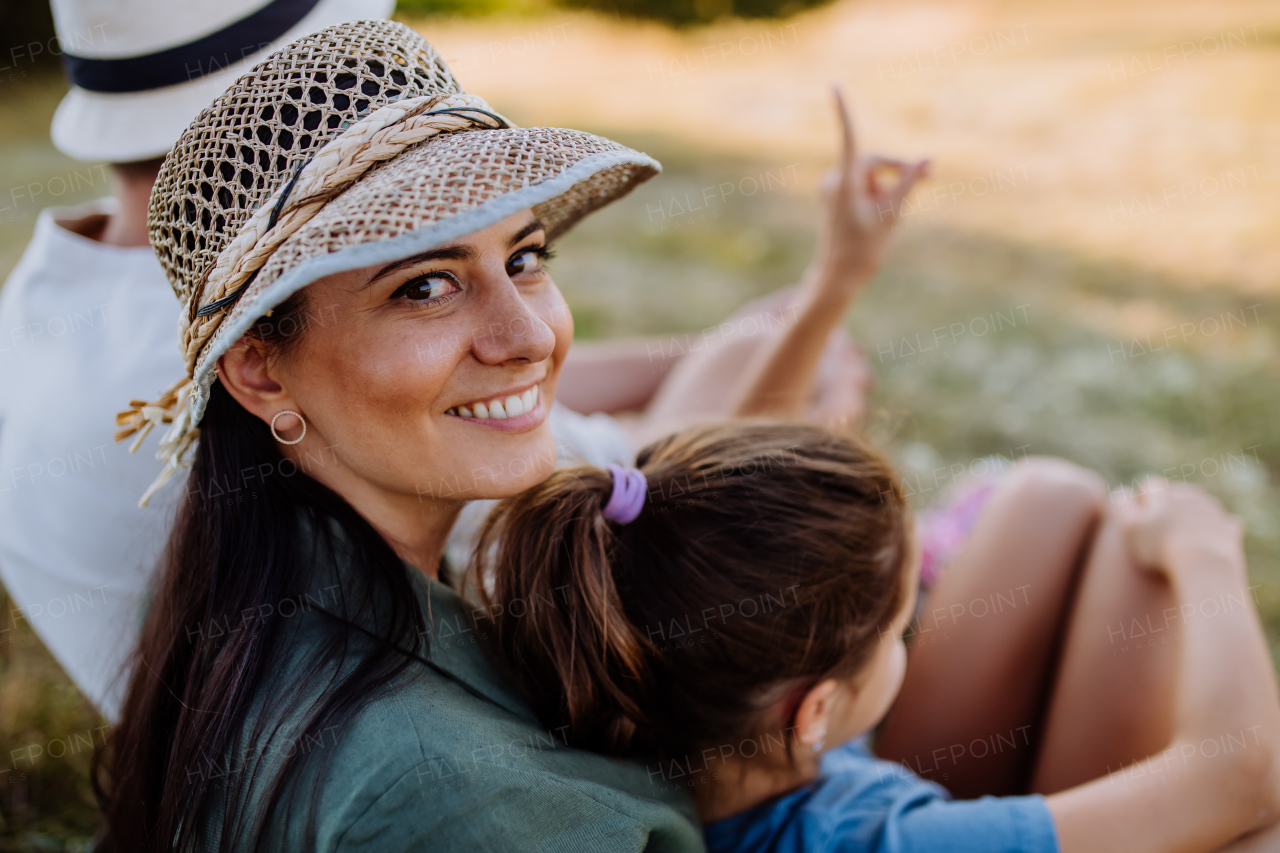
351 147
141 70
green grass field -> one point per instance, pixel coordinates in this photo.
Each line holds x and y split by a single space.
985 340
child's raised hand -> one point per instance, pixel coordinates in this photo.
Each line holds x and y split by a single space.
853 238
860 212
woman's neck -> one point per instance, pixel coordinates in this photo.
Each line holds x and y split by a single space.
733 785
415 526
419 534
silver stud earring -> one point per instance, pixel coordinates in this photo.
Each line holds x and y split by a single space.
276 435
821 741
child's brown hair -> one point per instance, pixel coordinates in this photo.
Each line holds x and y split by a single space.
765 555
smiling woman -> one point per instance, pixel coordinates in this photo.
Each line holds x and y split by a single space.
358 246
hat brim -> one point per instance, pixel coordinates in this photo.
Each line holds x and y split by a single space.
130 126
428 196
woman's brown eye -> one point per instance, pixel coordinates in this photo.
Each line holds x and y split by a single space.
523 262
428 287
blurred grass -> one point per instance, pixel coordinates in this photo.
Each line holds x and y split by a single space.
1062 374
46 730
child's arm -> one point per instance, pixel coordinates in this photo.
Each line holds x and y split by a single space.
852 243
620 375
1205 789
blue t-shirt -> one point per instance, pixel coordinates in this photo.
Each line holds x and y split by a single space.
860 804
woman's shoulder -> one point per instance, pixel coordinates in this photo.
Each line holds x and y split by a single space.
433 764
450 753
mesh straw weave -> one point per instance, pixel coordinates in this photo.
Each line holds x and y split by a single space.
350 147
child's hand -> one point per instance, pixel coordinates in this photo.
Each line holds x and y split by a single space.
1172 527
860 213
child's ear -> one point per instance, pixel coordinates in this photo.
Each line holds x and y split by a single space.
814 713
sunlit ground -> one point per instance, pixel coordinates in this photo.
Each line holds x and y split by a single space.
1092 272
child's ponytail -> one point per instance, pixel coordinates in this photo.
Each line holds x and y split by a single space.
765 556
551 597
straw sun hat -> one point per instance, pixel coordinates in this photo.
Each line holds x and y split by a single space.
350 147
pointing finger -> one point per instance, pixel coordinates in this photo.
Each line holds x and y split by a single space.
848 147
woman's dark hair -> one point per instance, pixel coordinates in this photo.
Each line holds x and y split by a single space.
765 556
249 532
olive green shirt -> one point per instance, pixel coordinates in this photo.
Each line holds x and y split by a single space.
444 764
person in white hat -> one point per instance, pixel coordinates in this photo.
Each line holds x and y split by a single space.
87 316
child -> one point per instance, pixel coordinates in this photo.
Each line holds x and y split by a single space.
732 612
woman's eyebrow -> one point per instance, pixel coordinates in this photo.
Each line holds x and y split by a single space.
533 227
448 253
451 253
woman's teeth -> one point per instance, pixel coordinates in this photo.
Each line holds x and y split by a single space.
499 409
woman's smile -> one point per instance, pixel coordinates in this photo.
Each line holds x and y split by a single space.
517 409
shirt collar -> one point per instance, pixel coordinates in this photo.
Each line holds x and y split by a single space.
457 644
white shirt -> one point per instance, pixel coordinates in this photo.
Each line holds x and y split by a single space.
84 328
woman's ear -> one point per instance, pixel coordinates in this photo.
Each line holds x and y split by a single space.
247 375
814 713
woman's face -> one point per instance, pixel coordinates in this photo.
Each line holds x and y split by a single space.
426 381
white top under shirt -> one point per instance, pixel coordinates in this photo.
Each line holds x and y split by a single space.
84 328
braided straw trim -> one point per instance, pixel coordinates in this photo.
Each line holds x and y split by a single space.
376 138
142 416
171 408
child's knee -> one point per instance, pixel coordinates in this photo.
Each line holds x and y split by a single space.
1067 487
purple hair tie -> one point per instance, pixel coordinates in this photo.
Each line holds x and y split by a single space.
629 487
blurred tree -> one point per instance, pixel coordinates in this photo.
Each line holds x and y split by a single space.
677 12
686 12
416 8
24 23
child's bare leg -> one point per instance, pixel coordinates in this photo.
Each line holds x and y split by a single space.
987 640
1265 840
1112 701
700 386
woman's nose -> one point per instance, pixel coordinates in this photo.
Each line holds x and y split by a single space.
511 329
